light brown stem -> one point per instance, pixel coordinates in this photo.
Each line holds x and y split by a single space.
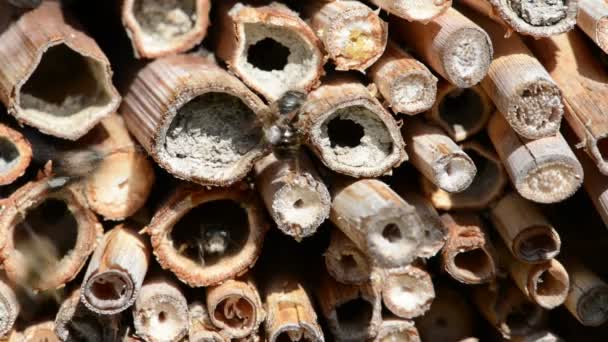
353 312
54 77
538 336
350 131
160 313
544 170
407 291
121 183
507 309
15 154
46 235
486 187
270 48
235 307
519 85
406 85
524 229
588 299
196 120
74 322
158 28
116 271
345 261
9 306
581 77
461 113
388 229
592 18
468 255
290 310
294 194
595 184
201 328
44 331
450 317
353 35
397 329
437 157
422 11
205 236
453 45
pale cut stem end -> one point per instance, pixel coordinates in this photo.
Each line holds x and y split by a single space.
423 11
44 331
552 182
9 307
394 329
549 284
109 292
538 20
408 292
463 67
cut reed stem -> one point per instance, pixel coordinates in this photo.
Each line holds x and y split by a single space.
344 261
407 291
396 329
422 11
201 328
592 18
588 299
9 306
15 154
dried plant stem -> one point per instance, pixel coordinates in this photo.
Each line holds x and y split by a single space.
44 331
468 255
42 47
592 18
116 271
9 306
344 261
422 11
15 154
201 328
196 120
158 28
269 47
407 291
235 307
160 313
588 299
453 45
595 184
396 329
461 113
437 157
294 194
406 85
202 252
350 131
524 230
544 170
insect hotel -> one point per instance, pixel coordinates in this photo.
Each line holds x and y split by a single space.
303 171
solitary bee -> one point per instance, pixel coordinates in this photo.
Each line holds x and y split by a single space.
214 240
281 131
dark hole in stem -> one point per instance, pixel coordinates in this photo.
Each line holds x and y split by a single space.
348 262
8 154
211 231
602 146
461 107
162 316
355 315
474 261
235 312
441 322
391 232
549 285
104 290
298 204
344 133
520 318
268 55
487 174
537 247
284 337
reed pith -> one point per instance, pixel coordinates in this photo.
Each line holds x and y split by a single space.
422 11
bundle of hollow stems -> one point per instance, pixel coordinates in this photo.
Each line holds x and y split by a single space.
383 170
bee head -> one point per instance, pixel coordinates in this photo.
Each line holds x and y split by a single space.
291 100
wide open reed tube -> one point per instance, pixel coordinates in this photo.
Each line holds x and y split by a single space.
507 309
350 131
450 317
74 322
201 329
353 312
407 291
588 299
525 231
544 170
582 77
406 84
54 77
519 85
15 154
422 11
205 236
468 255
344 261
235 307
438 157
486 187
388 229
196 120
46 234
461 113
294 194
121 183
453 45
160 313
269 47
158 28
290 312
116 271
537 19
353 34
592 18
397 329
9 306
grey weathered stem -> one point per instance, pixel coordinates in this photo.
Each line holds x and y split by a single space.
588 300
407 291
345 261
